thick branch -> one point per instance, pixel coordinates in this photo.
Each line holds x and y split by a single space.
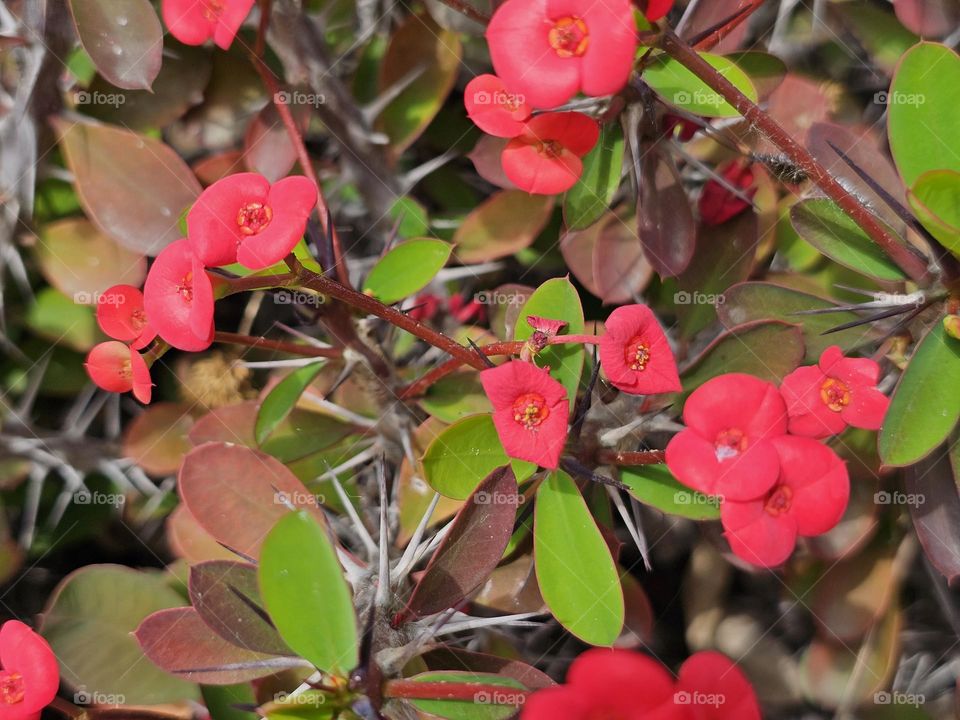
914 265
278 345
629 459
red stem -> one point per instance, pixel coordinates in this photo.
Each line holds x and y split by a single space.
278 345
629 459
412 689
912 264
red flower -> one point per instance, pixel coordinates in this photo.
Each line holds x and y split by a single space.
809 497
681 127
493 109
29 675
608 684
727 448
530 411
717 203
625 685
193 22
545 158
243 218
823 399
635 353
178 298
116 367
548 50
712 687
653 10
120 315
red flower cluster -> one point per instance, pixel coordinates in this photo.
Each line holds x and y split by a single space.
193 22
603 684
543 155
29 675
113 366
773 486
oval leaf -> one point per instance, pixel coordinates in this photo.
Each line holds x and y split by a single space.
655 485
407 268
124 39
506 223
282 399
306 595
576 574
484 705
587 201
677 85
926 402
935 198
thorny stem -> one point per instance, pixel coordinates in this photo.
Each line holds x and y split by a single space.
278 345
630 459
914 265
412 689
296 137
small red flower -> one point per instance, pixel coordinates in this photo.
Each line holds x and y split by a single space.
548 50
530 411
635 353
243 218
178 298
116 367
717 203
681 127
609 684
809 498
545 158
193 22
653 10
120 315
713 688
29 676
823 399
493 109
727 447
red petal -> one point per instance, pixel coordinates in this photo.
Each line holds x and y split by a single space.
186 21
609 59
867 408
711 676
172 315
107 365
693 460
819 481
539 175
115 309
23 650
608 679
291 200
560 701
212 221
577 132
487 101
736 400
142 385
657 9
855 372
229 21
660 374
717 204
809 415
755 535
523 58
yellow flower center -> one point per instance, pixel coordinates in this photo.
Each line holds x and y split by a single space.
530 410
835 394
12 687
637 354
569 37
254 217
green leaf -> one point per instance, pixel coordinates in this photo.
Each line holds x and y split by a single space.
926 402
750 301
456 396
283 398
655 485
557 299
923 123
824 225
768 349
483 706
413 217
935 198
222 701
879 31
765 70
680 87
89 623
587 201
464 454
575 572
306 595
56 317
407 268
